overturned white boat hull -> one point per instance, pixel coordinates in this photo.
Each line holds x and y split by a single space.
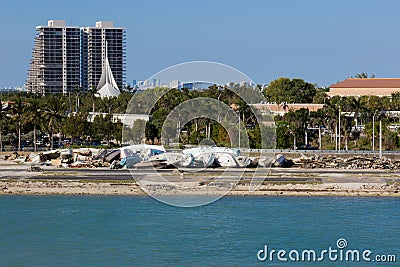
225 160
265 162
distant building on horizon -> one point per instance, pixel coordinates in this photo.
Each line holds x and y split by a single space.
65 57
365 87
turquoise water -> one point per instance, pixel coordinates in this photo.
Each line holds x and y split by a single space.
139 231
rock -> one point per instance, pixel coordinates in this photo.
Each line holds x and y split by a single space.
34 169
355 162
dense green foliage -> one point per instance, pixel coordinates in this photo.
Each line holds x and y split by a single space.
199 128
31 117
290 91
351 109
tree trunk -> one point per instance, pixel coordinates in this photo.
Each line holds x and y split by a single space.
19 134
1 139
34 138
51 140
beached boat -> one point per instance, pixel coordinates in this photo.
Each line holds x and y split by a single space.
130 161
203 160
225 160
211 149
143 150
242 161
130 156
66 153
265 162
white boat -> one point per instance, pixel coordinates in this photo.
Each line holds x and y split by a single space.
66 153
225 160
211 149
170 159
279 160
265 162
143 150
242 161
203 160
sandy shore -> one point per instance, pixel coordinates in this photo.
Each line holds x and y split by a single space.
63 187
15 179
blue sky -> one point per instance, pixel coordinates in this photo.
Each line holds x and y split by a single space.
319 41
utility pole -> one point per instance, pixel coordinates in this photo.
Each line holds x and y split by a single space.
319 137
306 136
239 128
336 135
380 139
294 137
339 133
373 132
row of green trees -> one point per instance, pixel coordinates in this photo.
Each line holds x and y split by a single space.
356 123
67 115
199 128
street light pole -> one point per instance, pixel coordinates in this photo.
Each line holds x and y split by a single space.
380 139
239 128
294 137
319 137
373 132
306 136
339 132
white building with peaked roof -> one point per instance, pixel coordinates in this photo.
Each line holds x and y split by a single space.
107 86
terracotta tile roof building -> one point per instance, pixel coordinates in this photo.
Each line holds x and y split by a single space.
365 86
281 109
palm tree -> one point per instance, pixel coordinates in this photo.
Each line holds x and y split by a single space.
33 116
357 107
18 110
53 117
318 118
92 93
332 112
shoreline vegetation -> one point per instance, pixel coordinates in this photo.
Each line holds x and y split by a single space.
15 179
29 121
343 123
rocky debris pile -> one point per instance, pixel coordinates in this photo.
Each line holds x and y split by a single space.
160 187
337 162
145 156
11 156
58 157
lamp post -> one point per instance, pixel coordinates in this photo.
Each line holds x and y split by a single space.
380 139
339 132
319 137
239 128
306 135
373 131
294 137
